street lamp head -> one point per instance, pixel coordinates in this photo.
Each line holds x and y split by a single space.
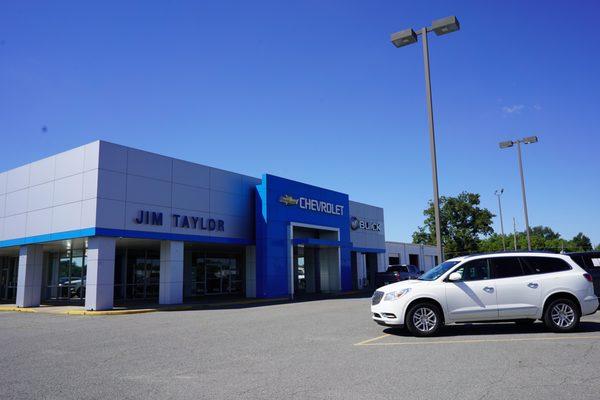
498 192
507 144
530 139
445 25
403 38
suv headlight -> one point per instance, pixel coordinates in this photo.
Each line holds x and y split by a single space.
395 295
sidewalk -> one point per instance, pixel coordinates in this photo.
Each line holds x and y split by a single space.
145 307
138 307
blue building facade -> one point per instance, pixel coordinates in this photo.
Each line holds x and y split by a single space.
105 223
281 205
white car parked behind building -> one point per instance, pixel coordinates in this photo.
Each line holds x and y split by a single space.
520 286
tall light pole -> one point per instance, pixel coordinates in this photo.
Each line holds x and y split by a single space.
511 143
498 193
515 232
409 36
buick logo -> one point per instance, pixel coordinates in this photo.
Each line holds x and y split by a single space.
356 223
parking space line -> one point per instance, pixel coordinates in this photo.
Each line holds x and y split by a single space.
528 339
365 342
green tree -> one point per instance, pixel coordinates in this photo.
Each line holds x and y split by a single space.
545 233
542 238
463 223
582 242
494 243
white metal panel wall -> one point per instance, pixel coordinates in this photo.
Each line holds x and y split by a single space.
130 180
55 194
363 237
402 250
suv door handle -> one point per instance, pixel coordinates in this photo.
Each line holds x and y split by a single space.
488 289
533 285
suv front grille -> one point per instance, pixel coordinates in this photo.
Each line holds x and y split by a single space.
377 296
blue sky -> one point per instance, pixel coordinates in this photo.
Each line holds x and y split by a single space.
314 91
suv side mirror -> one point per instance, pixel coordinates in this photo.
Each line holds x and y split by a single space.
455 276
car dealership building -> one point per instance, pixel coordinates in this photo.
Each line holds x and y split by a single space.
103 224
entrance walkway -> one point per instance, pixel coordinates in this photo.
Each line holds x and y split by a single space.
146 307
141 307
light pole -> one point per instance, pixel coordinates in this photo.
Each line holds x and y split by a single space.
511 143
409 36
515 232
498 193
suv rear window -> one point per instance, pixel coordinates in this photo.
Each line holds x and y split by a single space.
544 265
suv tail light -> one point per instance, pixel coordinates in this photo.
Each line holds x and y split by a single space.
588 277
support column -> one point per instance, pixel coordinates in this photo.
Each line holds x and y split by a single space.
170 290
250 271
381 262
29 281
361 271
100 278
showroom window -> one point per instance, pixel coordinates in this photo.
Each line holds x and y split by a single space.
66 275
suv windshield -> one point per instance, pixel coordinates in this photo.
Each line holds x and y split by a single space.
438 271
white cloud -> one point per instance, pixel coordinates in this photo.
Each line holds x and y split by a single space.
514 109
537 107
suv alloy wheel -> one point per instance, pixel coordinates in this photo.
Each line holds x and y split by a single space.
424 319
562 315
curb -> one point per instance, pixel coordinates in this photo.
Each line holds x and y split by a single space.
18 309
127 312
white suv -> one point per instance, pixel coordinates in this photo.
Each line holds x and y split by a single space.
520 287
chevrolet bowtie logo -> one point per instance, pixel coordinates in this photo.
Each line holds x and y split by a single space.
288 200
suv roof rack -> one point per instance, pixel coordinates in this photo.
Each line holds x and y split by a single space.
509 252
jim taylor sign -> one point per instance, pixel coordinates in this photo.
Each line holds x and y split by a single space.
144 217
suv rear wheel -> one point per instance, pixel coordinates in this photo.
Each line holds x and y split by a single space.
424 319
562 315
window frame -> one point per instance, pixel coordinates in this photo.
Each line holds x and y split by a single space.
466 263
526 266
493 268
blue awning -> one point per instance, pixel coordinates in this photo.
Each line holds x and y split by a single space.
367 250
320 242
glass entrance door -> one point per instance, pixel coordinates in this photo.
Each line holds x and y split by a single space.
8 278
307 270
3 283
299 270
66 275
141 274
213 274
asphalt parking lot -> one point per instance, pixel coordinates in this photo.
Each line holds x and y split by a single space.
327 349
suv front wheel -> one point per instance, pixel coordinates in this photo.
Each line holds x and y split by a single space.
424 319
562 315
